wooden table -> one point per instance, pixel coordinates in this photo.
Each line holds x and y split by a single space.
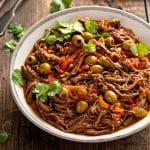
23 134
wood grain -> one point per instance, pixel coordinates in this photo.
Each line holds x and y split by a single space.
23 134
2 2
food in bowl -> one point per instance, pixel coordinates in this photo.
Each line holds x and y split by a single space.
88 77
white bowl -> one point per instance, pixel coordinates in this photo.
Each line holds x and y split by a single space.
139 26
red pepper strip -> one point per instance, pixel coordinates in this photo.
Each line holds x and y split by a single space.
74 90
82 97
103 103
50 78
85 67
133 104
97 54
118 110
143 62
70 59
117 118
135 62
61 71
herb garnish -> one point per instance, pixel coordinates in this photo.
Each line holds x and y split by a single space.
57 5
91 26
140 49
43 91
90 46
63 31
69 28
17 29
18 78
3 137
10 46
105 34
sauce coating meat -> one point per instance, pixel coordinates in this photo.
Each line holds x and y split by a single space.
89 77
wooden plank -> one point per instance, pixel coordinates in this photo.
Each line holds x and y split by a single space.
23 134
147 4
2 2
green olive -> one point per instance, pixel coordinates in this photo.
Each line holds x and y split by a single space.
91 60
31 60
109 41
45 68
127 44
81 107
78 40
87 35
139 112
96 69
64 93
111 97
105 62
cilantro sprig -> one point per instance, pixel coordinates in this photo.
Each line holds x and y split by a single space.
3 137
10 46
17 29
69 28
63 31
140 49
105 34
57 5
91 26
43 91
90 46
17 77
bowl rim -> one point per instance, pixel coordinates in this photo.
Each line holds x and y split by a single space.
30 30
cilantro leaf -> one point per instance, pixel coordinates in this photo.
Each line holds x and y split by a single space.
134 50
59 36
17 29
57 5
69 28
90 46
63 31
67 36
63 24
18 78
77 26
43 91
3 137
51 39
10 46
67 3
105 34
54 88
52 36
140 49
91 26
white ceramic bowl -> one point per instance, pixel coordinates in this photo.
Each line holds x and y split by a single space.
139 26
